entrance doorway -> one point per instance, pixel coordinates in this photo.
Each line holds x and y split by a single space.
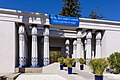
55 53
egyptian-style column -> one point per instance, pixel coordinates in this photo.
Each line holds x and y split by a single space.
88 46
46 45
82 50
67 44
22 52
34 60
74 49
85 44
98 45
79 50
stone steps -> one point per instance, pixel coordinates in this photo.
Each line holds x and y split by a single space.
9 76
28 70
2 76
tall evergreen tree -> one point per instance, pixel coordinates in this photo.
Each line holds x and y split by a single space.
71 8
95 14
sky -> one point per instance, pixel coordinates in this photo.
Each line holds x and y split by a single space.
110 9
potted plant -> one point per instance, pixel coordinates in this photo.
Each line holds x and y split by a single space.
92 65
82 62
61 61
98 66
69 62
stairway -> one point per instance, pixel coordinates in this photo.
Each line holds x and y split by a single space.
9 76
28 70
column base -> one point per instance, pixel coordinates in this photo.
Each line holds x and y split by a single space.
46 61
21 66
22 62
34 62
34 66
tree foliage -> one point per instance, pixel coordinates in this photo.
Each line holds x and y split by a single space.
95 14
71 8
114 61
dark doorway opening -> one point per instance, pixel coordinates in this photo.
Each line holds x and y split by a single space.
55 53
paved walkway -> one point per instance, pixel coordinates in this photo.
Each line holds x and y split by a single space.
37 76
52 72
54 69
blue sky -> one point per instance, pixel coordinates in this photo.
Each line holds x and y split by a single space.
108 8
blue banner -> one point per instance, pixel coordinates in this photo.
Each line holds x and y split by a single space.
63 20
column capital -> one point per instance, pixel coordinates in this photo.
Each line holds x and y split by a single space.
89 34
98 35
34 31
21 29
67 42
46 31
79 34
75 42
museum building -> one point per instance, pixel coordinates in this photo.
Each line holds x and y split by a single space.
29 39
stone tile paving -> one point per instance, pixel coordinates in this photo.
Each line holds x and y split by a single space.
52 72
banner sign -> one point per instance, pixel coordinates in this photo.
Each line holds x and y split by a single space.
63 20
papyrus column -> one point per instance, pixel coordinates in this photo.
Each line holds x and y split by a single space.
46 45
82 50
88 46
34 60
22 47
79 50
74 49
98 45
67 48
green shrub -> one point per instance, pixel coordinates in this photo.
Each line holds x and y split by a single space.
69 62
92 64
114 61
81 61
61 60
54 55
98 65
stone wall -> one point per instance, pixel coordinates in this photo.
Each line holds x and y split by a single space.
7 46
